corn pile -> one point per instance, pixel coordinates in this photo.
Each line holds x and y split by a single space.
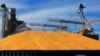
48 40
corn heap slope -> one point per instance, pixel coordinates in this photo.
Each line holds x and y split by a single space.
48 40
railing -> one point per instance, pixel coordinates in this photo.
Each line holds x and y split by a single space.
49 53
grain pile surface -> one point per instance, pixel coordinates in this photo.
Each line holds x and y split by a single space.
48 40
